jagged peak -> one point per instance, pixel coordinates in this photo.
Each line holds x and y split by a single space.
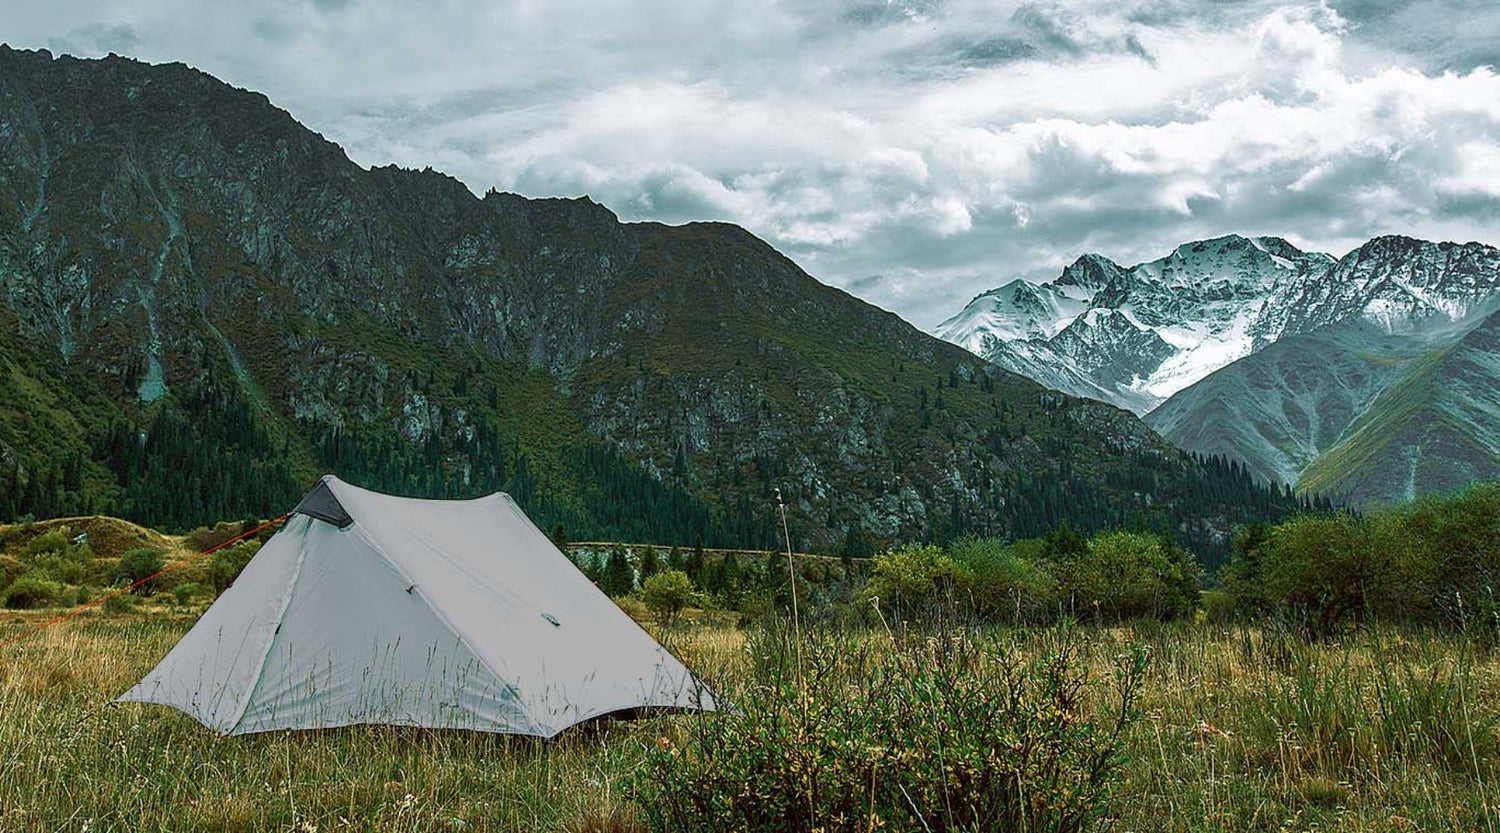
1089 271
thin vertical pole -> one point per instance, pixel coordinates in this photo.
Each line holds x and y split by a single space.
791 571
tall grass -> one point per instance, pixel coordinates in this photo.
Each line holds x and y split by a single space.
1237 729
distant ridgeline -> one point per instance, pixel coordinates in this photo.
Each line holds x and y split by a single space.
204 306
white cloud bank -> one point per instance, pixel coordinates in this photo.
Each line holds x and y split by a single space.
915 153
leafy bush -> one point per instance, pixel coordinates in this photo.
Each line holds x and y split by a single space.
938 735
136 565
204 537
915 579
185 592
667 594
1436 560
1124 575
53 542
229 562
10 570
122 603
30 591
53 556
1002 583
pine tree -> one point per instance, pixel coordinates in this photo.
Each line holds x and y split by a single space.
618 579
650 564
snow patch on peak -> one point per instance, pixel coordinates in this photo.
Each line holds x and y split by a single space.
1138 334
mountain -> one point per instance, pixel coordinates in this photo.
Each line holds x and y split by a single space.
1380 385
1135 336
203 305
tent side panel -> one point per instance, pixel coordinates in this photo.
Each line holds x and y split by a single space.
528 613
211 671
359 643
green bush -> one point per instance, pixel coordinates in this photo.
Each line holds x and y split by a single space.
185 592
1323 569
136 565
53 556
30 591
122 603
938 735
1125 575
229 562
915 579
54 542
667 594
10 570
1000 582
1435 560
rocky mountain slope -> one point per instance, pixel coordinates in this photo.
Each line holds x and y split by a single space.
1354 410
1135 336
203 305
1358 377
1379 387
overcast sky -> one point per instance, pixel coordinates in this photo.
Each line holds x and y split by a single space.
913 153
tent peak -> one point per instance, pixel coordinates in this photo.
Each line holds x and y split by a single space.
323 504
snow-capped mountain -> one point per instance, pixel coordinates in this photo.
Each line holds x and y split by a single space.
1396 284
1135 336
1372 377
1380 384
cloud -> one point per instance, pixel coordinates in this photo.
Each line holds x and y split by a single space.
916 153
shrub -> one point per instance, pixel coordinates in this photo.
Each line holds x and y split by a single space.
229 562
123 603
29 592
10 570
938 735
53 556
204 537
136 565
185 592
1324 569
1000 583
915 578
1125 575
54 542
666 594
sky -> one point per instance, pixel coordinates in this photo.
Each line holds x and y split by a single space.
914 153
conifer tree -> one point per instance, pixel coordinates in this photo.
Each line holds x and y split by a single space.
618 579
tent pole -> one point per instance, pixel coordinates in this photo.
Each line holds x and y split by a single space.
791 571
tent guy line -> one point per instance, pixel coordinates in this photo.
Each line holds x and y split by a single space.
56 620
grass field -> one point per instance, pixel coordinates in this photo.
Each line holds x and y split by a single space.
1236 730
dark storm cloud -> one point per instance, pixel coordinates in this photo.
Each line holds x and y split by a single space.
917 152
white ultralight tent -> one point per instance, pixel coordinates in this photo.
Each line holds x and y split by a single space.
455 614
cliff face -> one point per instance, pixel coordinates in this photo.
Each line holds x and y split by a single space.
202 304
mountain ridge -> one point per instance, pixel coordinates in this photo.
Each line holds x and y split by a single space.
207 304
1200 302
1308 381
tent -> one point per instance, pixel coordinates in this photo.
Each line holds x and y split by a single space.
370 608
